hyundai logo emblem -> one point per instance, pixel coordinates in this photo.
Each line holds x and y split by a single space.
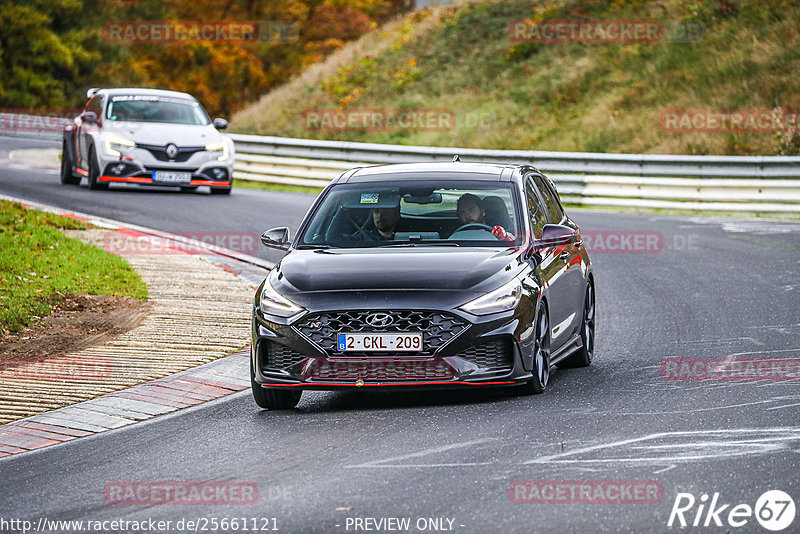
380 320
171 151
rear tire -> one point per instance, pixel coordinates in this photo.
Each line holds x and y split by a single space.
94 172
67 178
541 357
274 398
583 357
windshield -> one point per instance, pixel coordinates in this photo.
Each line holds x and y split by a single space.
151 108
416 213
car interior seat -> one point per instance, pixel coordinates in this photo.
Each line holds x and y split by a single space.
496 212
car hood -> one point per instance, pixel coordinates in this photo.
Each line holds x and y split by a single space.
428 268
156 133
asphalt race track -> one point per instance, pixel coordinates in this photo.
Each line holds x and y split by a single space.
713 288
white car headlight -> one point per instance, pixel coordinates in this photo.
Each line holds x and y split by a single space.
273 303
221 148
505 297
113 145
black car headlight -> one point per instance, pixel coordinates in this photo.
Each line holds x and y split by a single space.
505 297
273 303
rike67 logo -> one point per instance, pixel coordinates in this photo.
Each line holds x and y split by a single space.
774 510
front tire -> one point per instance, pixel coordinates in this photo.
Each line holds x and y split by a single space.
541 356
94 172
274 398
67 178
583 357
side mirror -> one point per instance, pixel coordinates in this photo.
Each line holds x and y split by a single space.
276 238
220 124
90 117
554 235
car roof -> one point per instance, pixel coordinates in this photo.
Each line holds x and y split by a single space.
145 91
455 171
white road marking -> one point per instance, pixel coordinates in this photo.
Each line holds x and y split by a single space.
710 444
784 406
425 452
714 408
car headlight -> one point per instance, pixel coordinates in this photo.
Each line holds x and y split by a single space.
221 148
505 297
113 145
273 303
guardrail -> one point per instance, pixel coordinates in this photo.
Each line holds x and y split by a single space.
32 126
769 184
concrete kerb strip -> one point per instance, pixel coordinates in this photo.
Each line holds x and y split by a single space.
146 352
121 408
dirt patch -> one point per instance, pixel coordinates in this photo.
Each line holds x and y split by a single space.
79 322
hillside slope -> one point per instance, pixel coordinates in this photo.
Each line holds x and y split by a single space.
495 92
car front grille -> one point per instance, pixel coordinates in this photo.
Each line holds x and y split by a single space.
160 152
276 356
495 355
380 371
437 328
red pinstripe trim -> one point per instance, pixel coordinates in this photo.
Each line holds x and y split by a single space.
81 171
385 385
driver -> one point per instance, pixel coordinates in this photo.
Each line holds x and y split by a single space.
471 211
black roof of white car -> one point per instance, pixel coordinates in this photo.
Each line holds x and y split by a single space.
450 171
143 91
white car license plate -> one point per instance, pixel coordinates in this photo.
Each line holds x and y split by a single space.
391 342
172 177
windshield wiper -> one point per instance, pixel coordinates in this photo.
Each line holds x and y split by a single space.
312 246
423 244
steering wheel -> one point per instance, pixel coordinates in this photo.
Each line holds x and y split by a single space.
473 226
360 228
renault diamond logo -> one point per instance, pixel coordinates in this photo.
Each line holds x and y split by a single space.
380 320
171 151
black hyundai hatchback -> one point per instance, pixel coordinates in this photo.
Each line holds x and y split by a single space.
436 275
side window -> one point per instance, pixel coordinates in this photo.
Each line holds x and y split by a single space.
536 211
550 199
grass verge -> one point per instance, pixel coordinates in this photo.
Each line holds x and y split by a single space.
39 265
570 96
